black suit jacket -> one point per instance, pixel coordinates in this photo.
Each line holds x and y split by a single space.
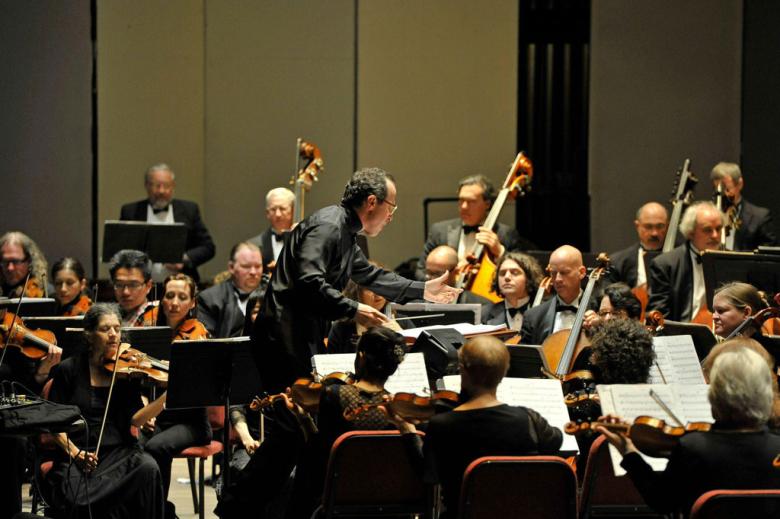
624 267
538 322
670 284
448 233
219 312
756 229
199 245
264 241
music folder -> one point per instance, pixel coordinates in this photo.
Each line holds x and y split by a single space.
162 242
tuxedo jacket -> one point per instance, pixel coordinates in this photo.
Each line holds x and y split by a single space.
219 312
538 322
264 240
756 228
670 284
199 246
448 233
624 266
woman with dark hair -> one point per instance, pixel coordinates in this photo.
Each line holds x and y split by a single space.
70 284
119 480
517 277
175 430
615 301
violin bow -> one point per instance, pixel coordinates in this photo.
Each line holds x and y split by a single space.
108 400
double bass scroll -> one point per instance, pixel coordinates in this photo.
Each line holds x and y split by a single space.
305 176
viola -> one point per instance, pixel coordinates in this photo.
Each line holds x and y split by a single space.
651 436
305 391
135 364
654 321
33 344
757 321
409 406
478 274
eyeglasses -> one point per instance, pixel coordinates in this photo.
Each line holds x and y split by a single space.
391 204
130 285
14 262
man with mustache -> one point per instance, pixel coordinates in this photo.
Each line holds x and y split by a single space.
631 264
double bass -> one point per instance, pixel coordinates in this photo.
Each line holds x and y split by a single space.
477 276
562 348
305 175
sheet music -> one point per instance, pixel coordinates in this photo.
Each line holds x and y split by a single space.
676 361
542 395
410 377
463 328
687 401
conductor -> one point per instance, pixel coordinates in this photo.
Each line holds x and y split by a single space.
319 257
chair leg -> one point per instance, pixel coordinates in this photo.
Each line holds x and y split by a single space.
191 468
202 485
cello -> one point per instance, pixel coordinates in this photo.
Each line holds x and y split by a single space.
562 348
478 274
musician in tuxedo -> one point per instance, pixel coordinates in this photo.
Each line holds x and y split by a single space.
475 197
755 225
319 257
443 259
161 207
222 308
557 313
676 279
517 279
279 207
630 265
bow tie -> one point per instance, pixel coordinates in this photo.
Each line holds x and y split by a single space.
514 311
278 236
565 308
162 210
468 229
243 296
697 257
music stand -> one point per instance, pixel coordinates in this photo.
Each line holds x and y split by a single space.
72 342
453 314
703 338
721 267
162 242
526 361
155 341
31 306
55 325
203 372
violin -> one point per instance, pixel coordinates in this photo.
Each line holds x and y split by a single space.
563 348
33 344
652 436
305 391
478 274
654 322
135 364
409 406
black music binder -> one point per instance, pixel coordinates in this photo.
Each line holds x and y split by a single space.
162 242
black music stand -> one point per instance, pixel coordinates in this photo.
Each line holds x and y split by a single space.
453 314
155 341
212 372
31 306
526 361
162 242
760 270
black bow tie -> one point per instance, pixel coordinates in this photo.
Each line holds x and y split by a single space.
162 210
697 257
514 311
565 308
278 236
468 229
243 296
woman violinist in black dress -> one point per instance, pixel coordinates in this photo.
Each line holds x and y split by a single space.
119 480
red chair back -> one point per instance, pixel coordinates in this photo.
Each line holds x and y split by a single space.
370 472
603 493
519 486
744 504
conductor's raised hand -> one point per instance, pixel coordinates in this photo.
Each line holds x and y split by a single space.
438 291
369 316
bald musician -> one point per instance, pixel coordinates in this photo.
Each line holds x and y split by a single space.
480 426
755 223
630 265
557 313
676 282
444 259
475 197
